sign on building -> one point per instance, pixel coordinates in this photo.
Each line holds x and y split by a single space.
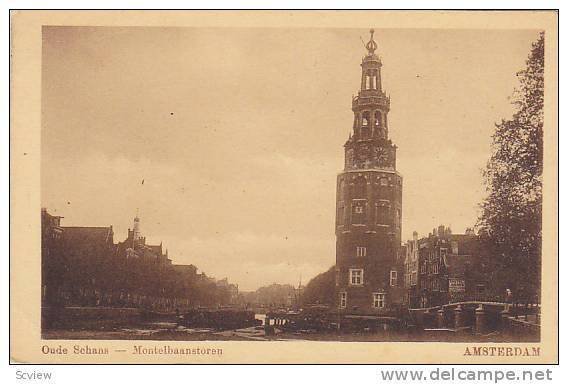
456 285
456 290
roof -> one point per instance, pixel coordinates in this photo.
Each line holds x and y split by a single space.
185 267
87 242
155 248
78 235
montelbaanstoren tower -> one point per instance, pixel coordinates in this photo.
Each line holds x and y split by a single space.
369 203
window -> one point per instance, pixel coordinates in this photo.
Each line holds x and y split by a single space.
358 211
384 181
361 251
366 118
342 299
356 276
414 278
455 249
340 213
393 278
436 285
341 190
378 300
382 213
435 268
378 118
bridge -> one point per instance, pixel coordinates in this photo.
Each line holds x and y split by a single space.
467 317
480 318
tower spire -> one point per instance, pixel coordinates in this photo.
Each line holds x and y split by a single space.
136 227
371 45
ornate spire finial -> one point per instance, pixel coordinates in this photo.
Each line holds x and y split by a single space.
371 45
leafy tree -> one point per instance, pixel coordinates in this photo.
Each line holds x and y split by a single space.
320 289
511 215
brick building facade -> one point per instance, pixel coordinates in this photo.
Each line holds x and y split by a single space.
444 268
369 204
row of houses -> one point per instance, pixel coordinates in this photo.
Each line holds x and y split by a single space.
83 266
444 268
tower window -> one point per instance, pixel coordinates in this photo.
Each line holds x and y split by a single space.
358 211
340 213
342 299
382 214
361 251
377 117
378 300
367 82
365 121
356 277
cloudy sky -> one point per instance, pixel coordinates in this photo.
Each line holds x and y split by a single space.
238 133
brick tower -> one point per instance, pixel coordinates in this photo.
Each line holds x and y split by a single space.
369 204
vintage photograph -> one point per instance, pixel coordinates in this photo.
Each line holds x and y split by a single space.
217 184
214 184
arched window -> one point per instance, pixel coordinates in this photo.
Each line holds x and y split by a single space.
378 119
367 82
365 119
365 122
374 82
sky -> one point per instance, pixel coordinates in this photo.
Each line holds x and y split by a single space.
228 141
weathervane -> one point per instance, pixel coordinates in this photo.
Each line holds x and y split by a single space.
371 45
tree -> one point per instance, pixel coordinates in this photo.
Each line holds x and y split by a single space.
320 289
511 215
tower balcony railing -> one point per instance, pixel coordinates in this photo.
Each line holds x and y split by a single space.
361 101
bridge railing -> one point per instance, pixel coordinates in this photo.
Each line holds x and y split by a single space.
480 317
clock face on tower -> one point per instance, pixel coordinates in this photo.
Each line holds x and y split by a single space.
382 156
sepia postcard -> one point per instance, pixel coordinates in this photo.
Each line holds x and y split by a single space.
203 187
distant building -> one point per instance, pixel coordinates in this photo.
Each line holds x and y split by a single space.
412 272
82 266
369 205
444 268
135 247
53 262
231 290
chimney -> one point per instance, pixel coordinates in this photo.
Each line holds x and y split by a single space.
415 236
